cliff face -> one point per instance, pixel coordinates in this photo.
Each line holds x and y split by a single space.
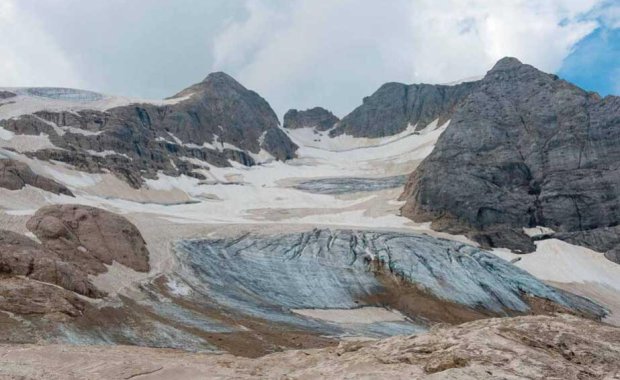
524 149
395 106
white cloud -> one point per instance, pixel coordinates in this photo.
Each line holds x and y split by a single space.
28 56
295 53
303 53
609 13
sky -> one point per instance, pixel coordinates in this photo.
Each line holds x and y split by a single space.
301 53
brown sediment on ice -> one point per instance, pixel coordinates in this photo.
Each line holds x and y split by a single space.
420 305
248 336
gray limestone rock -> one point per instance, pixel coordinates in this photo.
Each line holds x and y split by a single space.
524 149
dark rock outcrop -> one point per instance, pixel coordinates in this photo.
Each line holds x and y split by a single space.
524 149
317 118
14 175
394 106
6 95
90 237
215 121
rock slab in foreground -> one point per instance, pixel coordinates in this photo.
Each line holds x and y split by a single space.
533 347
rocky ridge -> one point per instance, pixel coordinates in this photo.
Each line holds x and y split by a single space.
6 95
396 106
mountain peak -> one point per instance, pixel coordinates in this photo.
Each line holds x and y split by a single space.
219 76
217 80
507 63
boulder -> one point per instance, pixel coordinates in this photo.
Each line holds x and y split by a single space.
90 237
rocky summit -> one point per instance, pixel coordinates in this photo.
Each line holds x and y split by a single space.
524 149
317 118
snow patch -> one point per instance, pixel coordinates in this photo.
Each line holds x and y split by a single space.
105 153
80 131
538 231
369 314
6 135
559 261
73 178
178 288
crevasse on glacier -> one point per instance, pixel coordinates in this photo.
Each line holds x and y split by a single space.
268 275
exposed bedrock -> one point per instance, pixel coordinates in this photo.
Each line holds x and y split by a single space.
215 121
395 106
14 175
524 149
530 347
22 256
90 237
318 118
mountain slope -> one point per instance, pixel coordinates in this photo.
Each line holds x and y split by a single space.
215 121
